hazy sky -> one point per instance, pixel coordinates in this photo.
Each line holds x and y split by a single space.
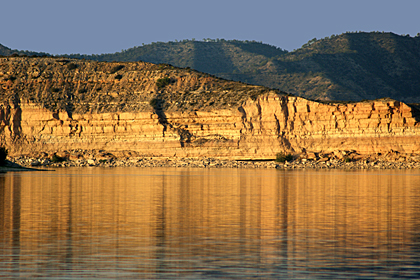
93 26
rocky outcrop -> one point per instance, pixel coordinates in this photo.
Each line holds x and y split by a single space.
59 107
366 127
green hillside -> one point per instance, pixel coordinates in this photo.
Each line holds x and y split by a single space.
221 57
350 66
5 51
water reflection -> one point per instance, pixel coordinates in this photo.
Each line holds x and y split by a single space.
180 223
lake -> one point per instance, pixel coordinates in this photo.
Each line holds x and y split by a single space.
175 223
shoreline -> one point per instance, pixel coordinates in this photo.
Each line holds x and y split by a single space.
342 160
11 166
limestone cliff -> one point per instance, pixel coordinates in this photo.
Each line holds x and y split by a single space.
50 105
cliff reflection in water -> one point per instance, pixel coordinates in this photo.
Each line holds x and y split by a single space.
146 221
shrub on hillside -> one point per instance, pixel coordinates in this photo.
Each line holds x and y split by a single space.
71 66
161 83
281 157
153 102
56 158
347 159
116 68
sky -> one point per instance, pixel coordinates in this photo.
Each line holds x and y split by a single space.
95 27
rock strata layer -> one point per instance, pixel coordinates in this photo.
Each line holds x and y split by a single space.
51 105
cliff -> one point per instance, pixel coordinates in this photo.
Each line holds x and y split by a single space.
50 105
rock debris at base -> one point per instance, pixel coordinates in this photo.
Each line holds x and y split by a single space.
337 160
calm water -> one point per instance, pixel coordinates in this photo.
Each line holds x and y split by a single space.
205 224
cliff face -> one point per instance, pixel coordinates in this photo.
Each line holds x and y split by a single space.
366 127
194 115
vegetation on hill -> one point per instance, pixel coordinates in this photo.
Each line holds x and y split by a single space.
350 66
346 67
209 56
5 51
83 86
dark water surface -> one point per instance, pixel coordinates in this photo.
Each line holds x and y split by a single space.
139 223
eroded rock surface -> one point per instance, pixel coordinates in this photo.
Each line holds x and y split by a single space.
54 105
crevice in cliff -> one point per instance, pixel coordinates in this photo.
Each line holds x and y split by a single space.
281 135
415 111
157 104
245 124
285 110
185 135
259 110
69 105
15 117
277 125
287 146
43 125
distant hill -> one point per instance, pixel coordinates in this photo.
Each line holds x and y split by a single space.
221 57
5 51
351 66
348 67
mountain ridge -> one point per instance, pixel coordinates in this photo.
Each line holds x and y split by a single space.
346 67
